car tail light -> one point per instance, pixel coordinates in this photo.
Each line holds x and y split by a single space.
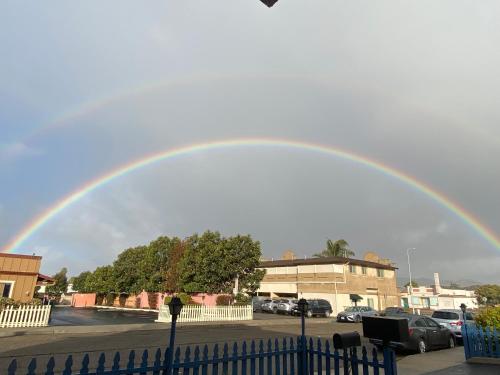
410 331
459 323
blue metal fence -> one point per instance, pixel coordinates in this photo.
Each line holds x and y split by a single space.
286 357
481 342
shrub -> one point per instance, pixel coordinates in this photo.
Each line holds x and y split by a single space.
110 299
185 299
224 300
243 300
489 317
4 302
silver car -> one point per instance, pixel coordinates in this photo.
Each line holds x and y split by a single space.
355 314
286 305
271 306
453 319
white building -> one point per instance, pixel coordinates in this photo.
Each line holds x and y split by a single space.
435 297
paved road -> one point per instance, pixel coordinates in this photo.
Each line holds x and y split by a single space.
68 316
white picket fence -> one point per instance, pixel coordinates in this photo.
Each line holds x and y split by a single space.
25 316
196 313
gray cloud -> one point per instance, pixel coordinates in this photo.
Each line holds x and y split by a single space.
412 85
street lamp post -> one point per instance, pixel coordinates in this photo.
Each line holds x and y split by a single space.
303 306
409 272
175 307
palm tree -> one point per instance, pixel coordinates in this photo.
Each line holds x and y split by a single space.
339 248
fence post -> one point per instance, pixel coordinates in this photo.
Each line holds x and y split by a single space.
390 367
465 339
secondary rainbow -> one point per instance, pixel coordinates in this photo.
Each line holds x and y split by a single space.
467 217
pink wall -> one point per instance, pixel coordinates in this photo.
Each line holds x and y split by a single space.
141 300
83 300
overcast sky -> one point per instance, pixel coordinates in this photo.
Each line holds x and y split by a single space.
88 86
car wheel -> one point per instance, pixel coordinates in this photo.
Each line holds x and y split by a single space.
357 319
275 310
327 314
309 314
451 342
422 348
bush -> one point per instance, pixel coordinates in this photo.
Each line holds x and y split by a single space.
243 300
489 317
185 299
4 302
110 299
224 300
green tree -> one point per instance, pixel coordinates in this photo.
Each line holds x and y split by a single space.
172 274
211 263
61 282
414 284
339 248
490 292
79 281
101 281
143 267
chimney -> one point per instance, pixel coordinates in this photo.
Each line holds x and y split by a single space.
437 285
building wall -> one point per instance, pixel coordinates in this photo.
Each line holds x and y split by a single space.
333 282
23 271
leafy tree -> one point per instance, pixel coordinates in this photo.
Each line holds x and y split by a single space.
414 284
101 281
61 282
172 274
211 263
339 248
79 282
489 317
489 291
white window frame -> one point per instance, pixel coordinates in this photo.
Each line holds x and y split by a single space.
12 283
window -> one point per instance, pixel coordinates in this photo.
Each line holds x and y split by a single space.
363 270
6 289
431 323
352 268
370 304
420 323
447 315
380 273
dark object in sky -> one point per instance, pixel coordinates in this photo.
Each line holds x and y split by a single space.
269 3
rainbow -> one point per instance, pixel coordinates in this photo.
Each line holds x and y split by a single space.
89 187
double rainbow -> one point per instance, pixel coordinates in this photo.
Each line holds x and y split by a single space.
467 217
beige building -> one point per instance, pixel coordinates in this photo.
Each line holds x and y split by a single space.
19 275
436 297
335 279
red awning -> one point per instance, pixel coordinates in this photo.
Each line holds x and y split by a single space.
44 280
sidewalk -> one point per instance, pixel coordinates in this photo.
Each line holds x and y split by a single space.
443 362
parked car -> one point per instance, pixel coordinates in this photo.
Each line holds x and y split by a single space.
453 320
258 302
424 334
316 307
286 305
393 311
270 306
355 314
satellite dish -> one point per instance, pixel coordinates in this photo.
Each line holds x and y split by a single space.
269 3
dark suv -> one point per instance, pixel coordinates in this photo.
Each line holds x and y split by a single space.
316 307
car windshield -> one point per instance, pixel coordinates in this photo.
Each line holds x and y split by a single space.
351 309
447 315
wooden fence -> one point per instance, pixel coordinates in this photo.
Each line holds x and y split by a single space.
196 313
24 316
285 357
481 342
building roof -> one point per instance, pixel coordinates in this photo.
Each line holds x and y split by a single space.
326 260
41 278
4 255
